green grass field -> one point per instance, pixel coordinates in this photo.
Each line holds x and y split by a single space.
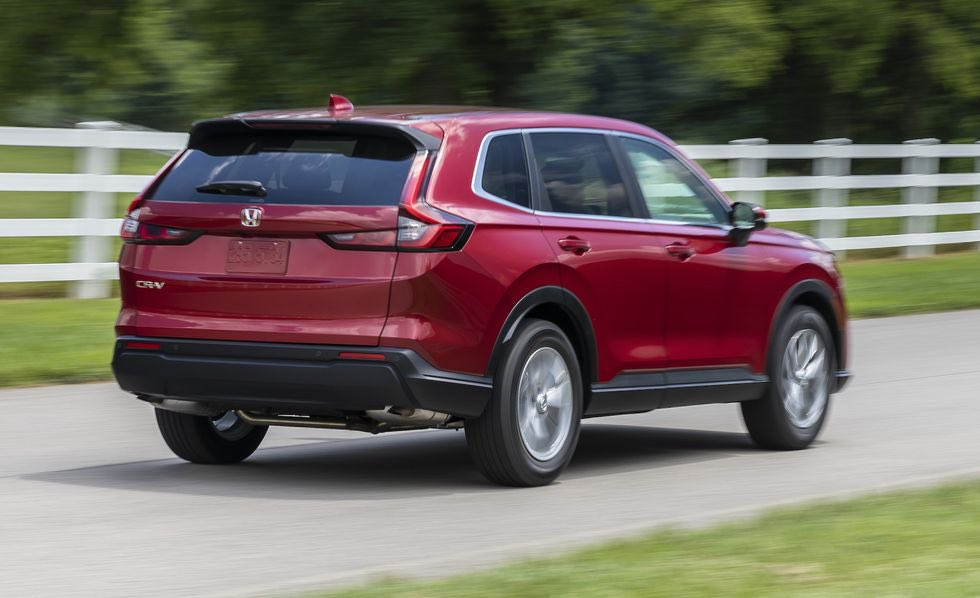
917 543
52 341
893 287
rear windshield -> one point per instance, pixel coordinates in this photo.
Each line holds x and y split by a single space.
291 168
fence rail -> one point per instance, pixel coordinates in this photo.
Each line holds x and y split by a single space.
98 145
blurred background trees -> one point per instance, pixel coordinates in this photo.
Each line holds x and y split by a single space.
700 70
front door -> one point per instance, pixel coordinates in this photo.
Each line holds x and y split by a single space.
706 274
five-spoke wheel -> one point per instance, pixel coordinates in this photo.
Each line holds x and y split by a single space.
529 430
791 413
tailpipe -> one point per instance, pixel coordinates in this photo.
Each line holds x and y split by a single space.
400 416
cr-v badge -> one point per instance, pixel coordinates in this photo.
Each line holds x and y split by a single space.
149 284
251 217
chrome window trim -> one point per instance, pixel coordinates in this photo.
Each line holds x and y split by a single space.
476 184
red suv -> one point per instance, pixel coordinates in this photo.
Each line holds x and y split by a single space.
507 272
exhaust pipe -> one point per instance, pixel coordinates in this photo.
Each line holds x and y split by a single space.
376 422
398 416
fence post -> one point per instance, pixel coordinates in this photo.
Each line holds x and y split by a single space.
920 224
749 168
94 160
976 197
831 198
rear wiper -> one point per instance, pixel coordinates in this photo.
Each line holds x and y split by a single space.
254 188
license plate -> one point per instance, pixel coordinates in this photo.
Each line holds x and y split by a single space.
249 256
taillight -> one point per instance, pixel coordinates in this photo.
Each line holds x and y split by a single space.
424 228
135 204
134 231
420 226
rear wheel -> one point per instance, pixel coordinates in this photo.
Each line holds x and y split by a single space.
793 410
211 440
528 432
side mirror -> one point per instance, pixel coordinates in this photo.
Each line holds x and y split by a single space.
745 218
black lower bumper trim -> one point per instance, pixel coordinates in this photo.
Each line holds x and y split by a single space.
841 378
292 378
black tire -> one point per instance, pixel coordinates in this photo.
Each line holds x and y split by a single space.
197 438
495 441
767 419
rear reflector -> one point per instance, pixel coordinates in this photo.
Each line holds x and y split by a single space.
371 356
141 345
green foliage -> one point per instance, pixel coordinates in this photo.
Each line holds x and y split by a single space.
912 543
708 70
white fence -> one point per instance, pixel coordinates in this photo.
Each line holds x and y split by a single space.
98 145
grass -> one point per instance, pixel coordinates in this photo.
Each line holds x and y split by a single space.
52 341
913 543
893 287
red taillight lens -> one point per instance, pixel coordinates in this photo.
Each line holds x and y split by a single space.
424 228
134 231
417 235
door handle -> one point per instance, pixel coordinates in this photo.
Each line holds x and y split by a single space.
681 251
575 245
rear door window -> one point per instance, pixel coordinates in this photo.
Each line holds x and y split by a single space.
291 168
580 175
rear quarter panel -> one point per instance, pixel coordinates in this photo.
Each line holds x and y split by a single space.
450 307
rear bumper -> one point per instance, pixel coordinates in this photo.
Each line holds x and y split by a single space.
292 378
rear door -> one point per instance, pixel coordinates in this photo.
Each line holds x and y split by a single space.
611 260
269 235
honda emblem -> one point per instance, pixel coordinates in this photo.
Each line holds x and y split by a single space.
251 217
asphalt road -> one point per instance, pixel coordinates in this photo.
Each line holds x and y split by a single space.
92 503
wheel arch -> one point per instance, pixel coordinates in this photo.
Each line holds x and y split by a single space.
818 295
562 308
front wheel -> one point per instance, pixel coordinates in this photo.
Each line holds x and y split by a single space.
528 433
792 412
211 440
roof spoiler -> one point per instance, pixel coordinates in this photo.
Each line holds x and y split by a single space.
204 129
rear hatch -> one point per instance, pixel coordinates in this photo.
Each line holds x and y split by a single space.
269 234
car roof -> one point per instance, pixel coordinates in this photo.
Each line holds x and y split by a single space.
422 117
